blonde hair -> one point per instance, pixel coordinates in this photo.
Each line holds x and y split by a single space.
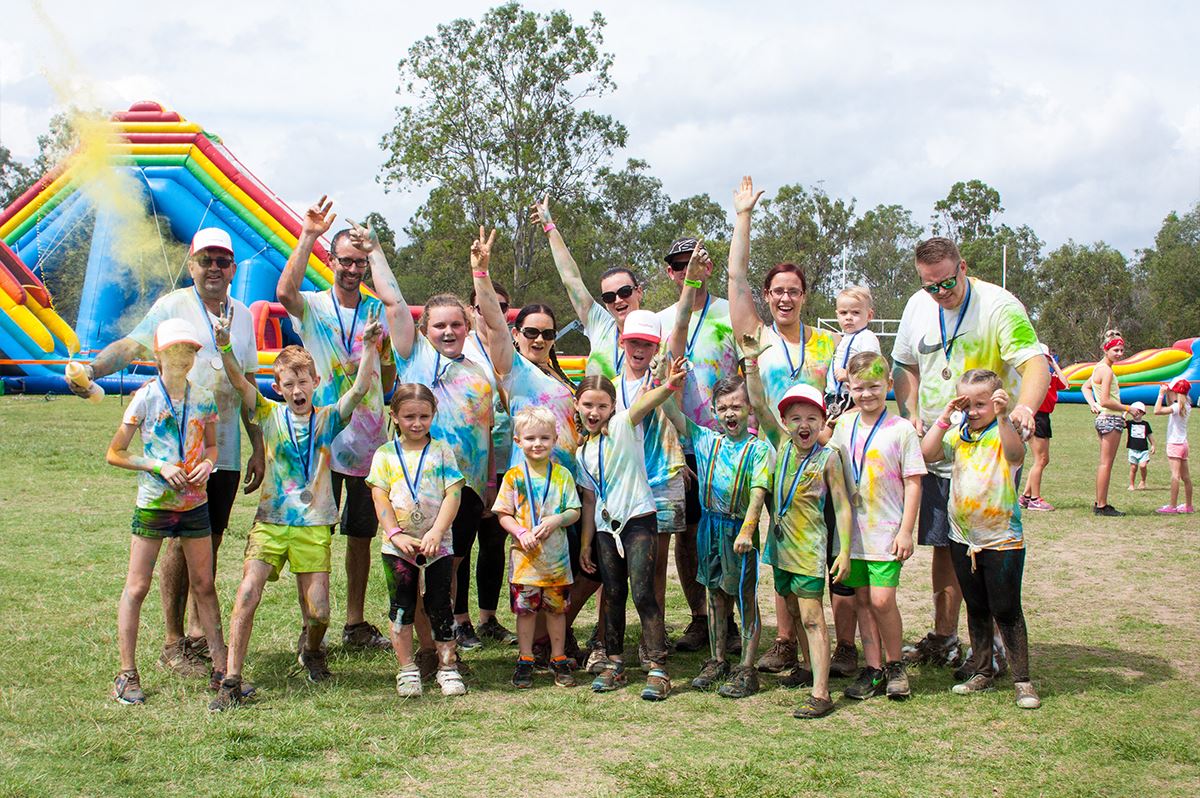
294 358
533 416
859 293
868 366
441 301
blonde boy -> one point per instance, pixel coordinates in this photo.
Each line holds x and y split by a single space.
855 309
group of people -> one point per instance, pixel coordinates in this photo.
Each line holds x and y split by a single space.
735 439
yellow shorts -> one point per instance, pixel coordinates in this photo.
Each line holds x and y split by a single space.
305 549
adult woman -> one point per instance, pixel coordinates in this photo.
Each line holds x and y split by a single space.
1103 395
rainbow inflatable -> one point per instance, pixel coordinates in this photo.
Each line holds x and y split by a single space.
1141 374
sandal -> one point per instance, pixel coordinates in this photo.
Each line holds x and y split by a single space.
658 685
609 679
814 707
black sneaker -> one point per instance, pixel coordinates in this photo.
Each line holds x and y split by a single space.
713 673
561 667
314 665
695 636
522 677
1107 510
492 630
870 683
897 687
229 695
942 650
465 637
541 655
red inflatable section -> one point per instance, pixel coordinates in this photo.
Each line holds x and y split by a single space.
23 277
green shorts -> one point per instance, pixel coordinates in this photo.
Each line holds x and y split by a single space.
799 585
305 549
873 573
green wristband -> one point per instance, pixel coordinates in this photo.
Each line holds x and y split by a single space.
693 283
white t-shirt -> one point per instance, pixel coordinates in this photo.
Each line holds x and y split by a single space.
158 421
850 345
606 357
477 353
185 303
1177 425
622 488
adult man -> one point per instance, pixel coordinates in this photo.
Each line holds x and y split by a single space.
211 265
331 323
955 323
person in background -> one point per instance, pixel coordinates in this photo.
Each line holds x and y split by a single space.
1039 444
1139 445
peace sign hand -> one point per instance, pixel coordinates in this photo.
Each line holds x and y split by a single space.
481 250
223 324
373 329
363 238
318 219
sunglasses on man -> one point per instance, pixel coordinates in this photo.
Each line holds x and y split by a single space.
943 285
624 292
221 262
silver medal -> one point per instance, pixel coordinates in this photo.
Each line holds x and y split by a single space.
306 496
416 517
946 373
216 363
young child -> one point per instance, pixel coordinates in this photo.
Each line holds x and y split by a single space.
1178 397
417 489
536 502
178 425
1139 444
986 541
619 506
855 309
807 475
885 470
296 510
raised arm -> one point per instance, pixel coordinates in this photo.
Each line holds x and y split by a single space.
1159 410
399 318
742 310
317 220
114 357
499 342
931 444
692 281
244 387
751 346
568 270
654 397
366 369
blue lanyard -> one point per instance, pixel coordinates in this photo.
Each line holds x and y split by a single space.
212 336
793 370
305 462
598 483
412 485
781 505
483 351
837 384
962 314
857 463
438 374
347 342
180 422
534 510
964 431
700 323
618 353
624 398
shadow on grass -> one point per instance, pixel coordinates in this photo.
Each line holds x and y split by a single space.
1070 668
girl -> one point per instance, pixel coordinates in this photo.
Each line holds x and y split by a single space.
808 476
1103 394
987 545
417 488
1176 394
1039 443
623 523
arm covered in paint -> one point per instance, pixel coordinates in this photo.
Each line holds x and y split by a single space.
744 542
654 397
316 222
366 369
742 311
906 383
399 317
568 269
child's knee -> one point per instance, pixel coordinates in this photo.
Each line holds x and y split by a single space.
249 595
137 588
882 602
318 610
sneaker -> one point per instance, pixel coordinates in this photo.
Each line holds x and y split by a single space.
695 636
562 667
798 676
611 677
814 707
870 683
493 631
451 681
1167 509
976 684
198 649
217 677
733 638
711 674
522 677
572 650
229 695
127 688
1107 510
465 637
1027 697
1185 509
743 683
999 663
314 663
597 660
644 657
1024 500
780 657
426 660
408 681
943 651
302 640
1040 504
658 685
364 636
177 658
844 662
897 681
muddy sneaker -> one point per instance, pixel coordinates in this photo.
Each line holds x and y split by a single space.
814 707
408 681
198 649
364 637
597 660
798 676
465 637
844 662
897 681
695 636
302 641
711 674
229 695
941 650
522 677
780 657
426 660
870 683
572 650
1041 505
217 677
177 658
733 638
658 685
561 667
611 677
643 657
492 631
1027 697
127 688
743 683
451 681
976 684
315 666
541 655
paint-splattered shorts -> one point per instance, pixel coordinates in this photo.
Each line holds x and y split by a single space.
532 599
1106 424
159 524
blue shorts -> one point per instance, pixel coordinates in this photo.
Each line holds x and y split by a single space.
1139 458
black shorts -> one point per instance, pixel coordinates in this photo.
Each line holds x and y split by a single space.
933 522
358 511
835 588
222 491
1041 425
159 524
691 493
465 526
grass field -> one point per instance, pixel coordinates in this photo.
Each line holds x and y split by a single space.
1113 617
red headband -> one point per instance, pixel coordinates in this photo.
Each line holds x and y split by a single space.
1111 342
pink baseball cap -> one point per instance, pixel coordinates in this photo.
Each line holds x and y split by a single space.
642 325
802 394
211 238
175 331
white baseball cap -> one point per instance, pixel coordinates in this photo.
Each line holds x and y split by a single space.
1137 407
175 331
802 394
211 238
642 325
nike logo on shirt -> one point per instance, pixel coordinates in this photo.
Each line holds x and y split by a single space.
928 349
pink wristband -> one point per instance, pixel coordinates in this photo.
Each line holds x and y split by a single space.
549 227
480 274
393 532
941 424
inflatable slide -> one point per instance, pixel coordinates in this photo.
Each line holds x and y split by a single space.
1141 374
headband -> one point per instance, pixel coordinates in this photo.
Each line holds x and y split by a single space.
1111 342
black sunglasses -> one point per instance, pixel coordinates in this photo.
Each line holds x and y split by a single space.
503 308
624 292
221 262
533 332
678 265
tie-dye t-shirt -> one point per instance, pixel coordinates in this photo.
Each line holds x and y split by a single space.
527 385
322 336
477 353
464 406
781 365
185 304
281 499
550 563
728 470
798 540
852 344
983 508
711 351
158 424
660 439
995 334
438 474
622 487
606 357
895 453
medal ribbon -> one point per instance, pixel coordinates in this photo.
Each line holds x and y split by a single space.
535 508
180 422
305 462
204 315
858 463
964 430
837 384
347 341
699 323
624 398
946 348
618 353
793 370
780 504
412 485
438 371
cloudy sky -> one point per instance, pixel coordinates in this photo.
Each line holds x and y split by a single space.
1086 116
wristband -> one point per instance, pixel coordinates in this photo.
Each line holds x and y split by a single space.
942 424
549 226
227 347
390 533
491 483
482 273
693 283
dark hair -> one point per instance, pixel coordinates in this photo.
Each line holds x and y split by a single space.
614 270
934 250
412 392
333 243
499 289
728 385
789 268
598 382
555 368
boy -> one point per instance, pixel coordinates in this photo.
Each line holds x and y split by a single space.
177 421
536 502
296 510
855 309
1140 444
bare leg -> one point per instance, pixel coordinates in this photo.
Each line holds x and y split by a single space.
785 628
947 596
1040 447
1175 478
358 569
402 637
526 626
816 633
1185 474
194 629
1144 469
556 625
241 620
198 553
868 630
718 626
845 618
173 589
314 604
1108 452
1133 471
887 619
142 554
